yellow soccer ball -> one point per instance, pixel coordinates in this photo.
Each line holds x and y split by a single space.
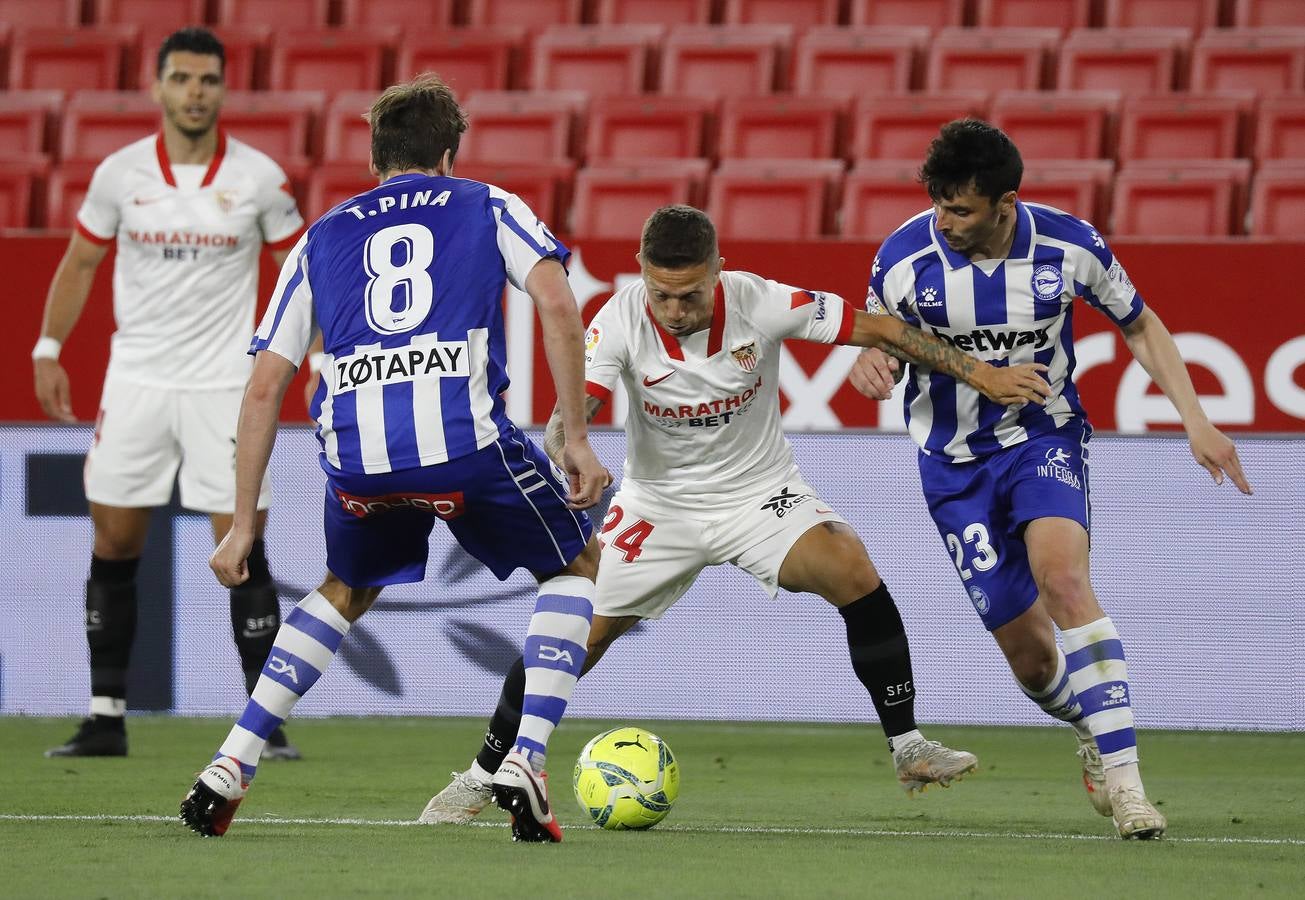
626 778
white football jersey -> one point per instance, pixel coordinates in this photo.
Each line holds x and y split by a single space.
703 428
186 276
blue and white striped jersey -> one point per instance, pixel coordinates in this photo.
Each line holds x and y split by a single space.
1006 311
406 284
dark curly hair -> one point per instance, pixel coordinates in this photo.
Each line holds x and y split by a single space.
678 237
191 40
971 150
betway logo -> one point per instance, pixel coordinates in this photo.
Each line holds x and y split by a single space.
987 339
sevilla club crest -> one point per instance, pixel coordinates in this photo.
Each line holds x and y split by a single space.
746 356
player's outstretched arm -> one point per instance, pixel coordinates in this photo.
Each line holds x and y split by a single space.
255 436
1008 385
564 348
1153 346
64 303
875 374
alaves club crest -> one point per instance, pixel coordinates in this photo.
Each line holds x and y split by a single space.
746 356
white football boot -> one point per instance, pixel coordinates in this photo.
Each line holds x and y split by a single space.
922 763
1134 815
1094 776
459 803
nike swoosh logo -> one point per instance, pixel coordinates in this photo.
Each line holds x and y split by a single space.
148 200
898 702
649 382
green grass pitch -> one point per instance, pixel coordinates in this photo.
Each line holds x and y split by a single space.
766 810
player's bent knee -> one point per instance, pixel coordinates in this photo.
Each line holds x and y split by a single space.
1066 594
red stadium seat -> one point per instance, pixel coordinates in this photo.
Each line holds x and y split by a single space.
277 122
901 127
798 13
1278 201
1128 60
330 184
154 14
65 190
346 135
1267 60
97 123
411 14
1062 14
516 126
1280 133
1180 126
613 199
245 47
648 127
1191 199
652 12
1057 124
1077 186
933 14
69 59
330 59
723 61
990 59
533 14
468 59
26 122
1263 13
599 59
283 15
781 127
781 200
857 61
545 187
878 196
42 14
20 183
1194 14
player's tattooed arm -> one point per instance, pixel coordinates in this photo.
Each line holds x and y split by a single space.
555 434
1008 385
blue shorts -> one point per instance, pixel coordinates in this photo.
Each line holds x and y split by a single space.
505 504
981 509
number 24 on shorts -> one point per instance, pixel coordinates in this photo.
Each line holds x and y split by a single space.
629 540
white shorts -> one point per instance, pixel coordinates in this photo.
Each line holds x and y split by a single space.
653 552
144 434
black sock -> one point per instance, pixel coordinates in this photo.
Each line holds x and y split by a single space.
255 616
111 623
502 731
881 658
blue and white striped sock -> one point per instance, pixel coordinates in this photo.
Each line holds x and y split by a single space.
1099 677
554 654
1058 699
305 645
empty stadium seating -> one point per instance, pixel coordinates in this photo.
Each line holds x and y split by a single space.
599 59
652 12
69 59
774 200
26 122
277 122
507 126
715 61
20 180
330 184
1062 14
1278 201
648 127
1129 60
65 190
781 127
283 15
1259 13
990 59
901 127
97 123
544 186
930 13
330 59
1180 126
1189 199
612 199
346 136
857 60
1267 60
534 14
1057 124
1280 132
798 13
1078 186
413 14
468 59
41 13
1194 14
878 196
156 14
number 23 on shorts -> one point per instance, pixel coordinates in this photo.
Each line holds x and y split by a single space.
975 535
630 539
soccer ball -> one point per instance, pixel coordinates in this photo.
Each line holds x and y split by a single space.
626 778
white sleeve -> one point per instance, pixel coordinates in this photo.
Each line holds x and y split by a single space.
278 216
522 238
288 325
890 293
1108 288
782 311
606 355
101 209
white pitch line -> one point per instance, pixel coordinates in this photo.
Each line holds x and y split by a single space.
693 829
